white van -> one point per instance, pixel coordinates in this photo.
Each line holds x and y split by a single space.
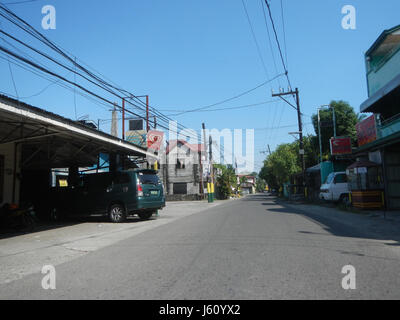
335 187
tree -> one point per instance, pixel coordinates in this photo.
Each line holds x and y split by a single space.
346 120
226 180
260 185
281 164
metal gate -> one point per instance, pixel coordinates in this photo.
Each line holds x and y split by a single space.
392 168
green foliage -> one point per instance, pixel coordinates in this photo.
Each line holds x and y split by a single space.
281 164
285 160
260 185
226 180
346 120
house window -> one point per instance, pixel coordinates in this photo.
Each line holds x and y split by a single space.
180 164
180 188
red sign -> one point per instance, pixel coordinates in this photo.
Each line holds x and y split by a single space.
340 146
366 131
154 139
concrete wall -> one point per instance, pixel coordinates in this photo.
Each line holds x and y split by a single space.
7 150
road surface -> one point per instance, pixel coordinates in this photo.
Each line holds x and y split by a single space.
252 248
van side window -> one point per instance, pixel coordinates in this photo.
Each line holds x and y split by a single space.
341 178
122 178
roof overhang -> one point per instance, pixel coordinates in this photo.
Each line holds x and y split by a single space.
381 39
382 97
30 126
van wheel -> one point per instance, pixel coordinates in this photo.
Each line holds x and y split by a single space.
146 215
344 199
117 213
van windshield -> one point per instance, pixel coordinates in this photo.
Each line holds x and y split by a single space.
330 178
148 178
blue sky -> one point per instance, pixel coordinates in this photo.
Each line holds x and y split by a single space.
187 54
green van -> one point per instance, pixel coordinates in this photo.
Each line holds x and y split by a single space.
114 195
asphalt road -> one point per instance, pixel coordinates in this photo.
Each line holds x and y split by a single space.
253 248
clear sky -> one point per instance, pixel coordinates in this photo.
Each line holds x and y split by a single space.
189 53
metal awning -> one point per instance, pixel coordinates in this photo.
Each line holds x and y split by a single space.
50 140
383 98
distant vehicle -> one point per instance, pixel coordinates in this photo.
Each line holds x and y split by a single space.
335 187
116 196
274 192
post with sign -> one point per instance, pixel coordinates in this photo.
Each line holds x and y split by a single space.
340 146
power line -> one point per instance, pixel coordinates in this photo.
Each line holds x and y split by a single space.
230 99
277 42
228 108
19 2
255 40
101 83
284 33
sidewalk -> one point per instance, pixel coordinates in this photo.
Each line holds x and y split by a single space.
371 224
24 254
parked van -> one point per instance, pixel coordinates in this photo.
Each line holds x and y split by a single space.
116 196
335 187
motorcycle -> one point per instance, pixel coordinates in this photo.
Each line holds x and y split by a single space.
18 218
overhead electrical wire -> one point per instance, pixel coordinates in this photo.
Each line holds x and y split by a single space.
228 108
229 99
255 40
103 84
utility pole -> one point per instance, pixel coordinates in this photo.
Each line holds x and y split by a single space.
205 157
297 107
114 123
211 194
267 151
147 114
319 126
123 118
200 153
319 136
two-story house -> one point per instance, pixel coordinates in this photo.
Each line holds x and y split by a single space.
183 170
379 135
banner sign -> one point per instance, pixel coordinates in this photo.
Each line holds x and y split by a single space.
366 131
154 139
340 146
137 137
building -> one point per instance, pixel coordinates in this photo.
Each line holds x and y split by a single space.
182 170
379 134
34 142
247 183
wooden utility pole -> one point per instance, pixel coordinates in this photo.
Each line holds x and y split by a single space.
205 153
212 170
147 114
297 107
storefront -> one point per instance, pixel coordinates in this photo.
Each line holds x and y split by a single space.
379 134
34 141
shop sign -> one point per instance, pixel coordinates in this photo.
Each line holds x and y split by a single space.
340 146
366 131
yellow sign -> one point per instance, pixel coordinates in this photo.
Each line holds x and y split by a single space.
63 183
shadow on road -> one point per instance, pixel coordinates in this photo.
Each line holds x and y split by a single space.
6 232
353 228
342 229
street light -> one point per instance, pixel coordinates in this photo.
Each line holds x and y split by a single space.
319 126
